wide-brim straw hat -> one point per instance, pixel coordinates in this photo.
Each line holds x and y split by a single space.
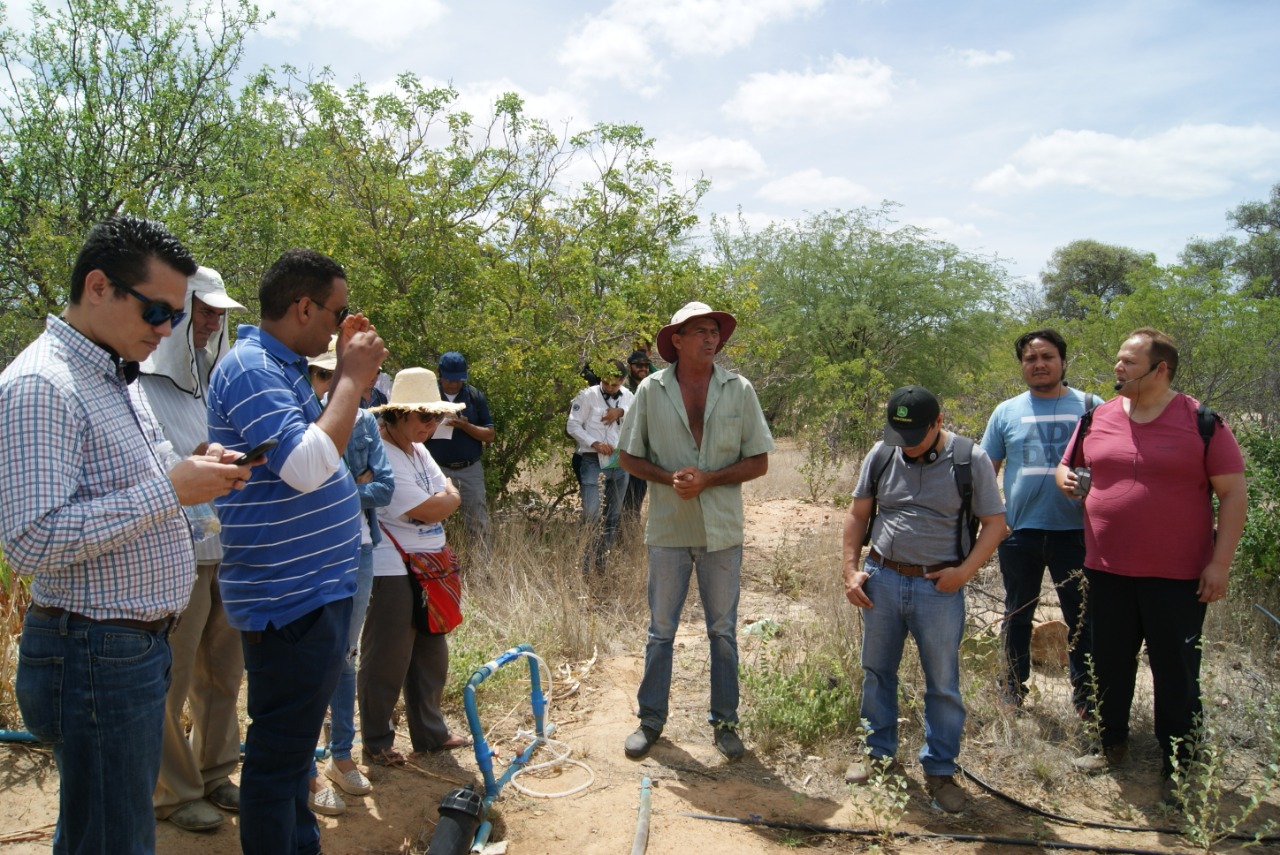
667 349
327 361
416 389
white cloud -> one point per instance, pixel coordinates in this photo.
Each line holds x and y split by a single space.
1185 162
848 88
726 162
556 107
811 190
384 24
979 58
622 42
948 230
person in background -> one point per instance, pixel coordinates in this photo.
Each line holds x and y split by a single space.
1030 431
208 666
396 654
459 441
595 423
638 368
97 522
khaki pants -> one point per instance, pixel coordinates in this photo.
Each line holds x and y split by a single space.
208 665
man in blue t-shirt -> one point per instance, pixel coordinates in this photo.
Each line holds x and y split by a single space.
291 538
1030 432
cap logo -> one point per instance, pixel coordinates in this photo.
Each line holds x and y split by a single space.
902 413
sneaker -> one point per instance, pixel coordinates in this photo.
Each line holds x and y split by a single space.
353 783
196 816
226 796
728 743
639 743
946 794
859 774
326 801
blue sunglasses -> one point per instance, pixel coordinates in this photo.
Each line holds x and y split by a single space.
154 312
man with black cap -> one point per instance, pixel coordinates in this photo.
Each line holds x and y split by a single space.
927 485
460 440
696 431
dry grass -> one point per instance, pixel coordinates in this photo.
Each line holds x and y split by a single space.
15 594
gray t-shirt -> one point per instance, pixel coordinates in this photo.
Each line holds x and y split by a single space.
919 504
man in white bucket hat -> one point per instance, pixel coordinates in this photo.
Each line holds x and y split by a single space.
695 432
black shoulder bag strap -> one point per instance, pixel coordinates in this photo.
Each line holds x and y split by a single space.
962 469
879 462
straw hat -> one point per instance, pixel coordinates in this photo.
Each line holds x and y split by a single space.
327 361
667 349
416 389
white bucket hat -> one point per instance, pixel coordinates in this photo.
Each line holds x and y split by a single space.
417 389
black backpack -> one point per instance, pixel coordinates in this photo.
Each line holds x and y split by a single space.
961 469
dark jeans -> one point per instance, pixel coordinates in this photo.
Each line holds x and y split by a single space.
1168 616
1024 555
634 497
95 692
292 672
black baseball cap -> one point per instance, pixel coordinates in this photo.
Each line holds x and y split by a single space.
638 357
911 412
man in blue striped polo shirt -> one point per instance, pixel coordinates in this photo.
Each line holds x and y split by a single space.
291 538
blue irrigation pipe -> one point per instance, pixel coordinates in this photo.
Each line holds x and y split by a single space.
484 754
16 736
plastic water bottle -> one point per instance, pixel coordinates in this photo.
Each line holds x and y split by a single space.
203 519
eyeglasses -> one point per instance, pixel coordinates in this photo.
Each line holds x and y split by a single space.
322 374
339 314
155 312
428 418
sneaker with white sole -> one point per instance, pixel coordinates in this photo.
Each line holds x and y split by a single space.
353 783
326 801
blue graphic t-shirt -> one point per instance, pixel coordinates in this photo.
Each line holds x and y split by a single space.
1030 435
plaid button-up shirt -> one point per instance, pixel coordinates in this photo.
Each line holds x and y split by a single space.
87 509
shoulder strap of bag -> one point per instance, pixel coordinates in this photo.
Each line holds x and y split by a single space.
879 462
962 469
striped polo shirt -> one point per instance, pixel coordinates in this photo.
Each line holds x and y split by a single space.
285 553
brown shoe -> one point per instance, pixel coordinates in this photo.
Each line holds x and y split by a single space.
946 794
860 774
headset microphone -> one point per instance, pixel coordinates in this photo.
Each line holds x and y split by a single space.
1120 384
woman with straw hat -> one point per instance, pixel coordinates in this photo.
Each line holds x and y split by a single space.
395 654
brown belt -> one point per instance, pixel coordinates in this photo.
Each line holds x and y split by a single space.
917 570
163 625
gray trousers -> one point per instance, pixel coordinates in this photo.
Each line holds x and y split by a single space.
475 504
395 656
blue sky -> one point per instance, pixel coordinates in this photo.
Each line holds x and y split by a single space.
1005 128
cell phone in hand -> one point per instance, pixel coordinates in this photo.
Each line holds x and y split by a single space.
254 454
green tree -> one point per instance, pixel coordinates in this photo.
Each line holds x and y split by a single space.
1253 263
851 305
111 105
1088 268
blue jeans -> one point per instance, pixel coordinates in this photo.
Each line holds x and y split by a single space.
96 692
615 485
292 671
1023 558
342 706
902 605
718 577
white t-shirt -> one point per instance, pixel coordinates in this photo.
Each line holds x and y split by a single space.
418 478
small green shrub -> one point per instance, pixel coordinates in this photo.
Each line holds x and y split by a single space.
1260 545
806 701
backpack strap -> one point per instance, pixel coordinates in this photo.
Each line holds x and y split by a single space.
879 462
962 469
1206 422
1086 421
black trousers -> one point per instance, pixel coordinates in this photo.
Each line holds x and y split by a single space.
1167 615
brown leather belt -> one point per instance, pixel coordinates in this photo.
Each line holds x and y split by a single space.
915 570
163 625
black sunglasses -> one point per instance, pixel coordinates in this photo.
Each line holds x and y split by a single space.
339 314
154 312
322 374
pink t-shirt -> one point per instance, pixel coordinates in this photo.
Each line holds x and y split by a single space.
1148 512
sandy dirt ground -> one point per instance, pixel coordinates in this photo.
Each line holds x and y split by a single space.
688 775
